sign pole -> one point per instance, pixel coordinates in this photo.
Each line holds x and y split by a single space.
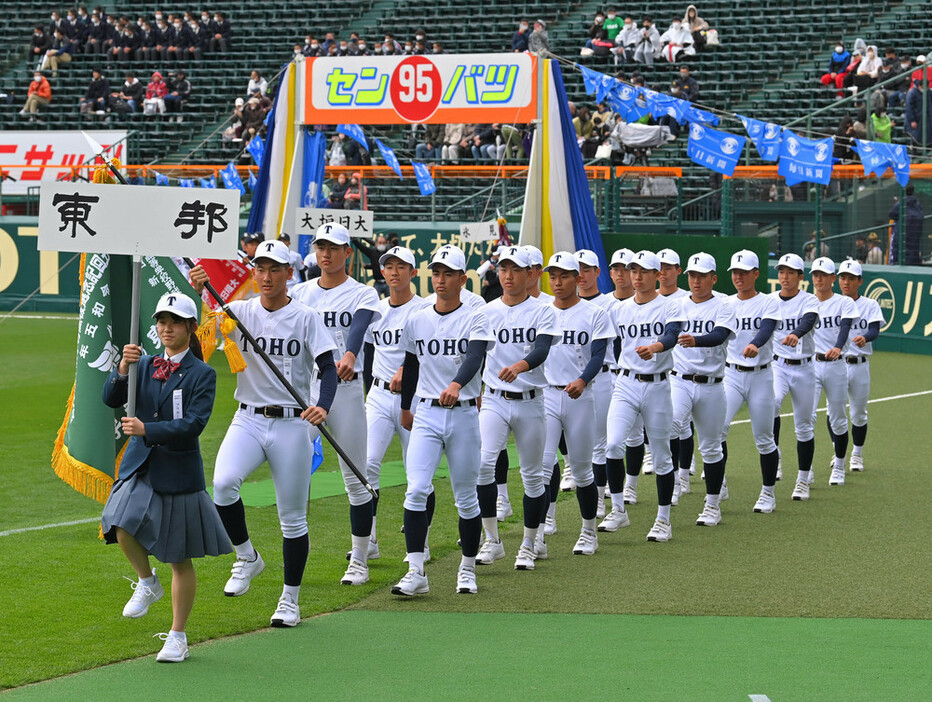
134 335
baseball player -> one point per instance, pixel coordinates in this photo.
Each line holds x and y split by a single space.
837 313
513 402
348 308
444 347
644 324
748 373
467 296
384 355
269 426
297 262
794 373
585 331
866 329
588 289
708 323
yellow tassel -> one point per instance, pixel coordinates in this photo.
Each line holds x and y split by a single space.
102 172
207 334
234 355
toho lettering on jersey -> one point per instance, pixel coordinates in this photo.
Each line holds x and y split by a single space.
699 319
869 311
385 335
831 312
748 317
515 329
640 325
578 327
791 312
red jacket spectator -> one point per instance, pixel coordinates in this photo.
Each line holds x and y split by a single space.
43 89
157 87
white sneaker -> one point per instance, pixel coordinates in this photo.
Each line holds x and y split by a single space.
856 464
837 477
710 516
371 555
587 544
550 525
357 573
567 482
490 552
503 508
647 467
174 650
143 596
525 559
413 583
241 575
630 495
615 520
723 495
600 509
540 550
426 556
661 531
765 503
466 581
287 613
801 491
685 487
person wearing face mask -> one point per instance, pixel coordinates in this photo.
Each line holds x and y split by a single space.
868 70
60 52
696 26
539 39
836 66
344 48
39 95
220 33
597 30
677 41
520 37
96 36
649 45
311 47
626 42
409 49
41 42
391 41
689 86
362 49
181 41
612 24
896 91
373 250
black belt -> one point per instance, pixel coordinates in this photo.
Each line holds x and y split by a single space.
855 360
793 361
509 395
606 368
645 377
821 357
462 403
706 379
355 375
379 383
746 369
273 411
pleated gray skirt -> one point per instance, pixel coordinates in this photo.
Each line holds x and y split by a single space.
172 528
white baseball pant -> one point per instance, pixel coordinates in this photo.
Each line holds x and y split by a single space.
832 376
343 423
527 419
601 386
756 389
577 419
650 402
706 404
799 383
859 391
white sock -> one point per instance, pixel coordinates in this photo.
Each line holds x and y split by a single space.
684 474
361 548
490 524
840 463
856 451
663 512
150 581
767 490
540 533
602 489
468 563
180 635
372 536
245 551
552 510
588 524
631 481
503 491
292 591
529 536
711 500
618 501
802 476
416 561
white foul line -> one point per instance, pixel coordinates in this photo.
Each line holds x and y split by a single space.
878 399
759 698
43 316
10 532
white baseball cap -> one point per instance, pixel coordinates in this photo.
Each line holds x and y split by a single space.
334 233
534 255
645 259
850 266
823 264
587 258
669 256
700 263
744 260
274 250
793 261
450 256
401 253
621 257
516 254
563 260
177 304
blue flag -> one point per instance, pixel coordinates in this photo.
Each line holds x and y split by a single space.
876 157
256 147
186 182
209 182
661 105
808 160
354 132
591 79
766 137
390 159
424 180
624 99
312 171
160 179
253 181
713 149
318 457
899 161
694 114
231 179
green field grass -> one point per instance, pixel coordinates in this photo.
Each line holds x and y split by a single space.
858 551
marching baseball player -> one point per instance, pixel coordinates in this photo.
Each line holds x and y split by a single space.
748 373
513 402
585 331
444 347
866 329
348 308
269 426
297 262
467 296
708 323
384 356
645 325
794 373
837 313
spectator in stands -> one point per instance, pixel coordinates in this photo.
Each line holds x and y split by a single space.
156 91
859 128
373 250
896 91
874 252
539 39
329 40
860 248
677 41
336 157
392 42
311 47
626 41
810 250
613 23
420 48
409 48
59 53
914 221
484 142
130 96
179 90
429 150
519 40
688 86
163 34
362 49
253 117
597 29
257 82
338 191
868 70
346 49
79 27
200 37
915 98
232 133
113 30
96 36
453 141
128 45
845 79
836 68
96 98
883 125
220 33
917 74
438 48
181 40
649 45
55 23
357 194
420 35
843 136
40 44
513 141
696 26
38 95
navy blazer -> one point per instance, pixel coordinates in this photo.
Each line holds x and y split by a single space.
170 450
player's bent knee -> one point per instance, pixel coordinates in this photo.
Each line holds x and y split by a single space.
226 490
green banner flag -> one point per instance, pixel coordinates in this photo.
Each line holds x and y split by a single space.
90 444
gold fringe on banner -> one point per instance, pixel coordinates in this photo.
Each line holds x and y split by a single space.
102 172
234 355
84 478
207 334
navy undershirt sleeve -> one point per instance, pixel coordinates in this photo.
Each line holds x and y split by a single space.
843 330
357 331
328 379
767 327
409 377
540 351
671 332
368 353
616 348
475 354
873 331
805 324
716 337
596 360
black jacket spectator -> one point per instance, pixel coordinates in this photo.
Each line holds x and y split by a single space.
41 42
220 33
914 220
97 94
369 250
519 39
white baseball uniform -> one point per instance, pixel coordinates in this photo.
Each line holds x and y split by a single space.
832 376
293 337
794 373
680 433
604 381
297 265
857 360
467 297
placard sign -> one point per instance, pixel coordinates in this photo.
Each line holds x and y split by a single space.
357 222
480 231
